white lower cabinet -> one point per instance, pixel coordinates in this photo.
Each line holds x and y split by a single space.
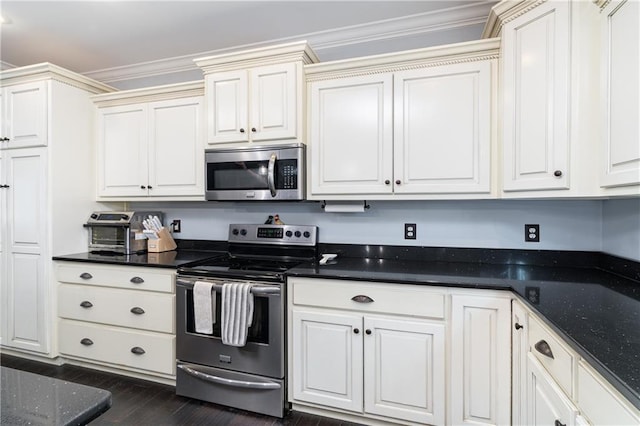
547 404
118 316
380 352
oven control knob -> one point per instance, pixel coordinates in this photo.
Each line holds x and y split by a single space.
235 231
94 216
288 234
243 232
124 217
297 233
306 234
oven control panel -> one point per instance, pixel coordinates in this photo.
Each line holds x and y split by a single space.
274 234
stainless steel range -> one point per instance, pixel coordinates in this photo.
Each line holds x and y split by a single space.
249 375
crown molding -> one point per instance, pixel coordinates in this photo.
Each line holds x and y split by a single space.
151 94
47 70
442 20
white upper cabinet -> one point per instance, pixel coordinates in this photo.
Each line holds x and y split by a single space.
535 85
23 116
256 95
620 32
412 125
153 148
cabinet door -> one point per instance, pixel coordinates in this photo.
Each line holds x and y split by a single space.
25 115
535 133
620 29
26 286
327 359
480 360
351 136
442 129
122 151
519 350
547 404
3 251
274 102
176 150
404 370
227 114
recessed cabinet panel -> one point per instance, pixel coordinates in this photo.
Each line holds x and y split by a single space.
442 129
176 151
25 115
274 95
621 89
351 135
547 403
122 153
227 99
536 55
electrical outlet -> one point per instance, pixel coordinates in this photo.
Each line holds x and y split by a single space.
176 226
410 231
532 233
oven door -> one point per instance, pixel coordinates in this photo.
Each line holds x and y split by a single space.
257 173
263 353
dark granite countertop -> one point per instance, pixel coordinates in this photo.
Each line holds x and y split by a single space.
31 399
168 259
595 310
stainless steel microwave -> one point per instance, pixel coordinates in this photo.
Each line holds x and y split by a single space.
257 173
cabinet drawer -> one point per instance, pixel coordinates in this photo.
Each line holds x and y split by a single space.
560 363
150 279
399 299
127 308
114 346
600 404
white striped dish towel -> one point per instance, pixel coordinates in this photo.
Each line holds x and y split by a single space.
237 313
203 307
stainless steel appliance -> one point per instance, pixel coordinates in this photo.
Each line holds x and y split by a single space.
118 232
250 377
256 173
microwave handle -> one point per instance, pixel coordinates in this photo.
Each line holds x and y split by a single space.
271 178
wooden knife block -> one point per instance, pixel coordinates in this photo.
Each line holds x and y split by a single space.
164 242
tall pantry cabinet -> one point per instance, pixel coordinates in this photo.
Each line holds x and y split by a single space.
46 192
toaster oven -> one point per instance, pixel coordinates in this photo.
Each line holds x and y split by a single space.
118 232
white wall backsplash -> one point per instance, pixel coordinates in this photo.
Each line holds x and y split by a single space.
621 228
564 225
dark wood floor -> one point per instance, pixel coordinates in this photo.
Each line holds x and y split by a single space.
139 402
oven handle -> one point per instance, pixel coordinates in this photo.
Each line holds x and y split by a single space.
228 382
271 176
256 290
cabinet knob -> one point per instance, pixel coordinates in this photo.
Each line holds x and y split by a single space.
356 330
241 130
253 129
86 342
137 350
4 186
143 187
5 139
387 182
557 173
86 276
543 347
367 331
137 310
398 182
86 304
150 187
136 280
518 326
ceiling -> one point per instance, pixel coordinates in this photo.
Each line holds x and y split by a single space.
122 42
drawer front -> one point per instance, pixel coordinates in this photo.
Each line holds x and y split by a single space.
127 308
150 279
117 346
398 299
561 366
601 404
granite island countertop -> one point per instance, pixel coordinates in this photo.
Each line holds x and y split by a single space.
32 399
595 310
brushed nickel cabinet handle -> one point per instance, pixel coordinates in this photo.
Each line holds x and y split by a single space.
136 280
86 342
543 347
361 298
136 310
137 350
86 276
86 304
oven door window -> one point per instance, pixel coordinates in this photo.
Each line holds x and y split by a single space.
108 236
258 331
251 175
